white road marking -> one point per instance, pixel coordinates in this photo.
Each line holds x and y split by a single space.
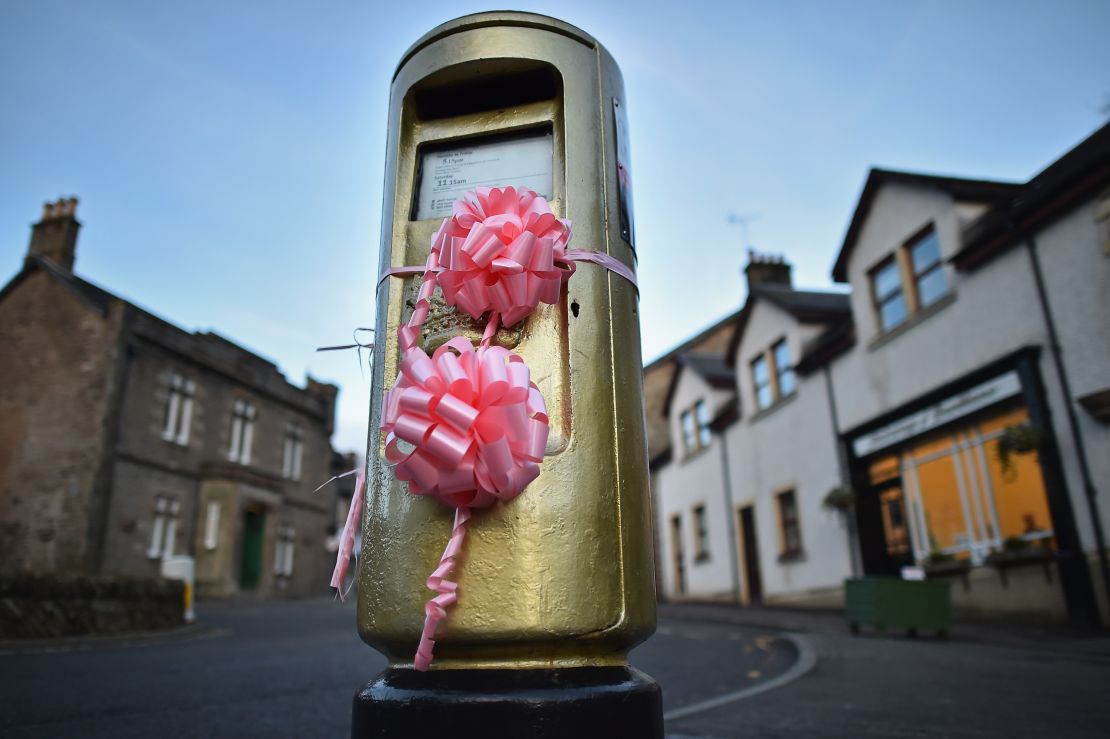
807 660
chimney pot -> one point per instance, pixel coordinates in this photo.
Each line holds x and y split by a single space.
767 269
55 236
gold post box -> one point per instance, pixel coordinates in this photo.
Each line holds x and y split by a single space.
561 576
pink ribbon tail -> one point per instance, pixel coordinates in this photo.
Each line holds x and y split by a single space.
347 538
404 272
602 260
435 610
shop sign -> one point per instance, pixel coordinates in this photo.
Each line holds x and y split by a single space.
938 414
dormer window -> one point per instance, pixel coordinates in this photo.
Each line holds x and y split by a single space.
886 285
909 280
773 375
929 280
696 433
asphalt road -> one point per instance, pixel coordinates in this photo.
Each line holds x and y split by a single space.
289 669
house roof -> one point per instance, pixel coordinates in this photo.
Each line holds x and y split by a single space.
1077 175
710 367
806 306
660 371
960 188
95 297
210 349
831 343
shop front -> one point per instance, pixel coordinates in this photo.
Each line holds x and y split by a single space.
965 485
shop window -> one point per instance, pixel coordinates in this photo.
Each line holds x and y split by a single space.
701 535
959 502
790 529
909 280
242 432
163 530
178 414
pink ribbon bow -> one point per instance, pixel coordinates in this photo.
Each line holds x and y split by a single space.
475 423
502 250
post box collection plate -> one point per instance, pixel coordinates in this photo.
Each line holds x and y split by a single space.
447 173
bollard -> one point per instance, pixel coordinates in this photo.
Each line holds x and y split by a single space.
557 585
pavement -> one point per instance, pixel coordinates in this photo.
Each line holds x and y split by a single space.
1057 638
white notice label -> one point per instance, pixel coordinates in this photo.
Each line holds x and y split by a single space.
448 173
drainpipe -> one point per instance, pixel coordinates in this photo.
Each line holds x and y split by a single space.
731 518
842 466
1069 406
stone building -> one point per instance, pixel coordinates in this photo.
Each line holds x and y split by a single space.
125 439
956 396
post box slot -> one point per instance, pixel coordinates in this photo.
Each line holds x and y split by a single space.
480 86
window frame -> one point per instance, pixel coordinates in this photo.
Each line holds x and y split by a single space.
788 549
891 261
769 384
916 277
909 279
177 418
701 533
293 451
779 372
163 531
243 416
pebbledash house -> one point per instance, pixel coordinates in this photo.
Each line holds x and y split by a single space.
949 412
125 439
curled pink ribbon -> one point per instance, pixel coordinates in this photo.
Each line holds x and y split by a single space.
435 610
347 538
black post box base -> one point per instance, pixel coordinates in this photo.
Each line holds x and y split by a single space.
578 702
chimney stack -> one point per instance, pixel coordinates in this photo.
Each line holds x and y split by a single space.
55 236
767 269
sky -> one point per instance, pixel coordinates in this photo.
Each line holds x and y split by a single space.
229 157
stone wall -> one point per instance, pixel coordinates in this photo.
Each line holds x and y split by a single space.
43 606
55 381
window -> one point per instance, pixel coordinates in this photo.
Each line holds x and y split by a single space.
163 532
886 285
789 525
701 411
929 281
178 415
784 371
696 433
773 375
242 432
909 280
701 535
283 551
761 378
212 526
293 452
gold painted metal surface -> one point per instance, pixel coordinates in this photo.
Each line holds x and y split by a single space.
562 575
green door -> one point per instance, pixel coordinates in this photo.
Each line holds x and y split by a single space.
254 534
